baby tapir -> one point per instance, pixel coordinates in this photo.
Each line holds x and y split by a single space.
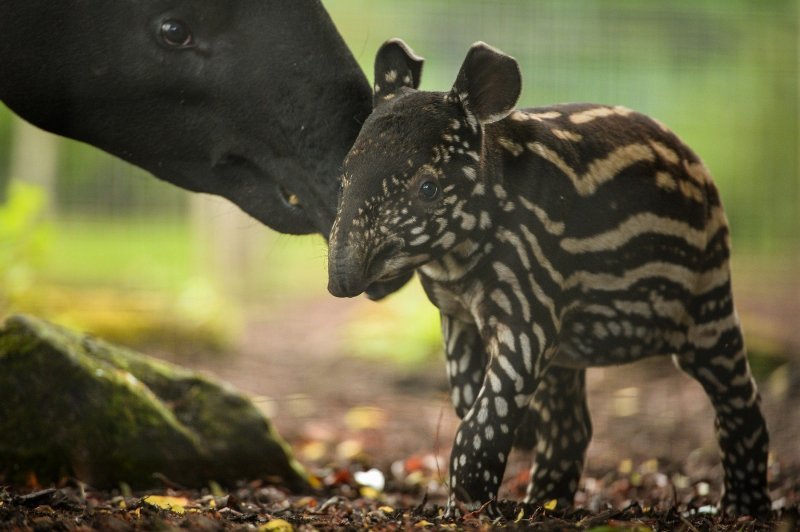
551 240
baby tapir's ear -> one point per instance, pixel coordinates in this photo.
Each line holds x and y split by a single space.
489 83
396 66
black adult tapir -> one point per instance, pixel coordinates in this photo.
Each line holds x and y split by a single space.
257 101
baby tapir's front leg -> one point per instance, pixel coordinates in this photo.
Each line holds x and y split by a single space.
486 433
466 362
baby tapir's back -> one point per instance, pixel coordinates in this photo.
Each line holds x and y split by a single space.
625 225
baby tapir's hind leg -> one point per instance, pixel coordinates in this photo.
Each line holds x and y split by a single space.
723 370
563 429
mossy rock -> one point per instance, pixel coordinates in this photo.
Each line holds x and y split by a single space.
73 405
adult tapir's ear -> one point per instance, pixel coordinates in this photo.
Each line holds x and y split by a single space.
396 66
489 83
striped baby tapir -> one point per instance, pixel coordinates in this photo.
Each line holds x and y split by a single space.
551 240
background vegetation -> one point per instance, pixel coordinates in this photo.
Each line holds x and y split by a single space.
102 246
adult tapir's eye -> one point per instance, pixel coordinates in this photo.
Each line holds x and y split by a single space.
176 34
428 190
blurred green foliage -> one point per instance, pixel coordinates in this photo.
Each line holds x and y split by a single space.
132 286
135 253
405 328
24 239
5 143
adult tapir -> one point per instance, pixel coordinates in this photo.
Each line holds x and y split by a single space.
253 100
257 101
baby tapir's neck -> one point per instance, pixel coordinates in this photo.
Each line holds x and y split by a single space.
459 263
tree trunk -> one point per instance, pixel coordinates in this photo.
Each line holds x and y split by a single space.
34 159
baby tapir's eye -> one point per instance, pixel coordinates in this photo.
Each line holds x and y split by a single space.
428 190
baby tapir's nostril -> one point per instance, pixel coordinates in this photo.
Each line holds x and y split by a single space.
349 274
345 282
346 272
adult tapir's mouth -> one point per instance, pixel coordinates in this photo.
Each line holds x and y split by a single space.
261 192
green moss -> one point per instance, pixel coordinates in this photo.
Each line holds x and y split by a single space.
77 405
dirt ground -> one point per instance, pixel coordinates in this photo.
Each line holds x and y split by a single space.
652 423
376 438
308 385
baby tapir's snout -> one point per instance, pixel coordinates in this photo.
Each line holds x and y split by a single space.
354 268
347 271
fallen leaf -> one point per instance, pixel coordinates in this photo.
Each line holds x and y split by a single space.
306 502
216 489
349 450
278 525
551 505
315 482
369 493
650 466
371 479
339 477
172 504
31 481
313 451
415 478
414 463
365 417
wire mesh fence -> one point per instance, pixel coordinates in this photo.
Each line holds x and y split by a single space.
723 75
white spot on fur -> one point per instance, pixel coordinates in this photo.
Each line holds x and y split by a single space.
510 146
583 117
522 116
494 382
571 136
501 406
420 240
